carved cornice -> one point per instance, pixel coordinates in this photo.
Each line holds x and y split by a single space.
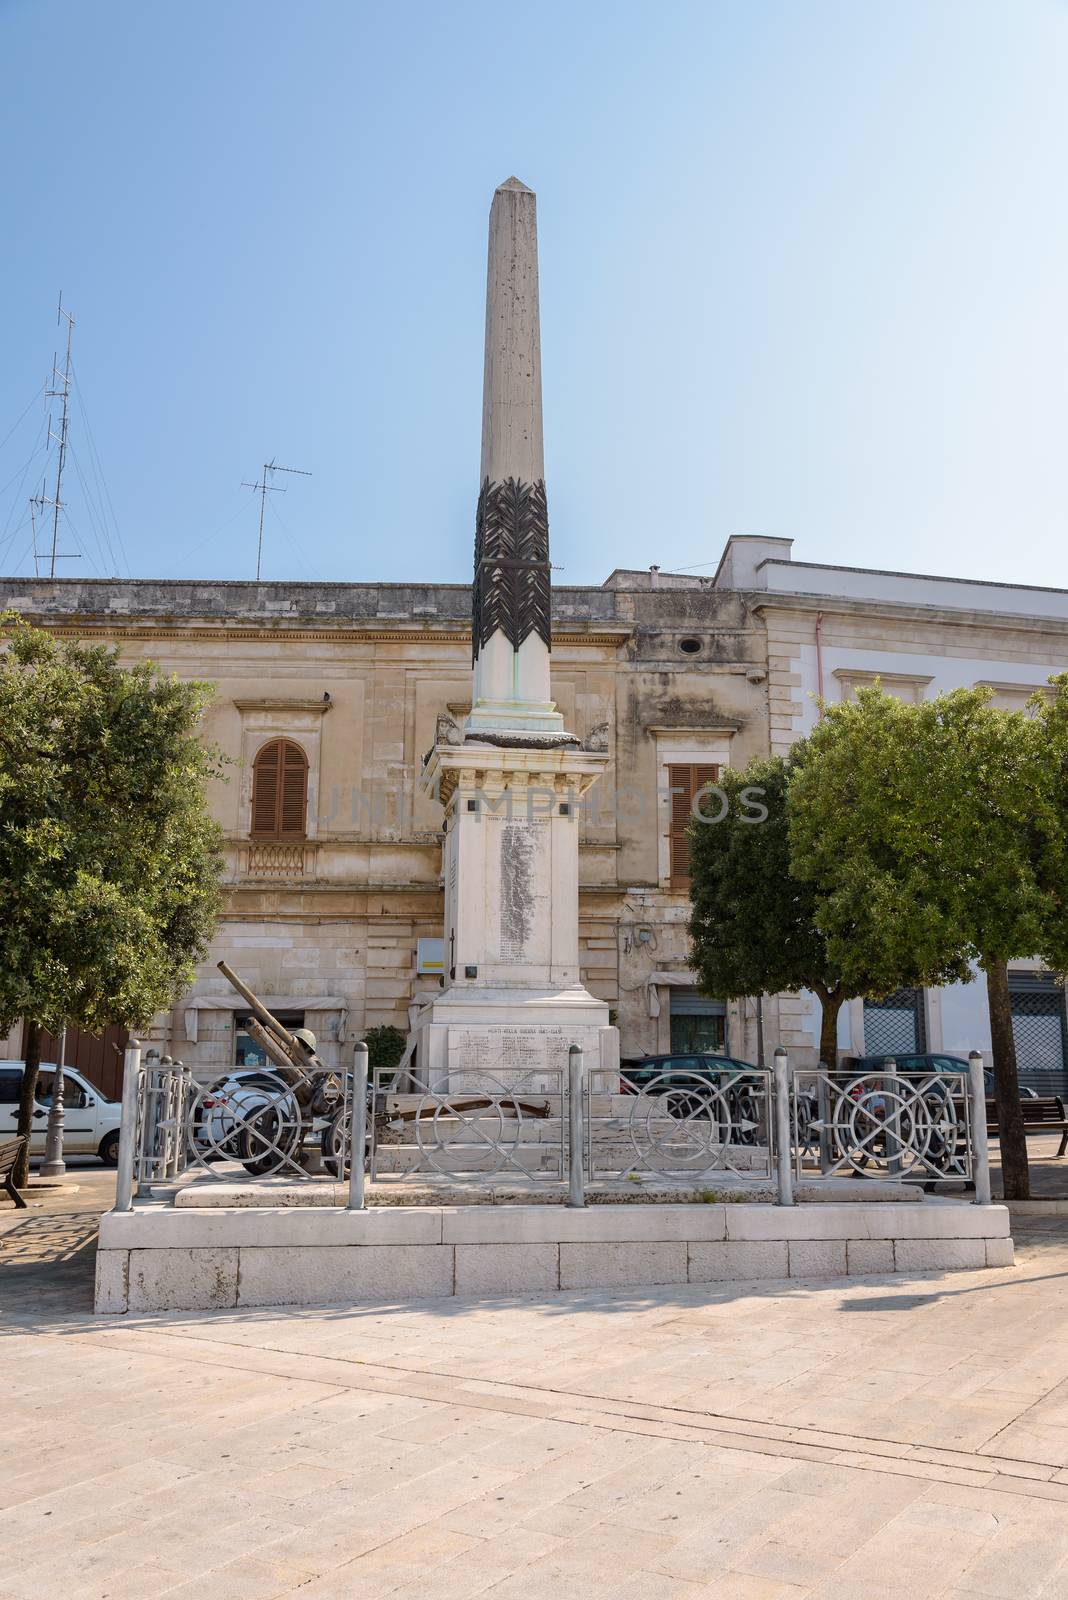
97 628
512 590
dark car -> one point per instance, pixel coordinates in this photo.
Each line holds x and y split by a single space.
927 1063
720 1088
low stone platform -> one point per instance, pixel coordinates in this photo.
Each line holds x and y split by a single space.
204 1192
164 1257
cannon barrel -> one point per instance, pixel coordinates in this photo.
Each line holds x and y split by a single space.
258 1009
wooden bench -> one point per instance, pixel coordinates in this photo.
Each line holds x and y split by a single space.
9 1155
1046 1115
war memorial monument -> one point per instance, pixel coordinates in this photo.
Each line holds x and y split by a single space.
513 1156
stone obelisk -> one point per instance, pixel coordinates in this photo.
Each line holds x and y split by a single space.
512 780
512 626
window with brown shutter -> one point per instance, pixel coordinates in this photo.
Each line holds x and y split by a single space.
280 791
684 783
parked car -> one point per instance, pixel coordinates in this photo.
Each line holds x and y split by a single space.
90 1122
927 1063
680 1077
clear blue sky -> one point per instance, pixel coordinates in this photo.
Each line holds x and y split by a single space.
804 272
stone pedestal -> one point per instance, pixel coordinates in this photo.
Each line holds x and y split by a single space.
514 996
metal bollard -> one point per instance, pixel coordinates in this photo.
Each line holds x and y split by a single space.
783 1142
980 1151
131 1085
358 1127
576 1190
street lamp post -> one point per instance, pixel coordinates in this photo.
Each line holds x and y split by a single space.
54 1165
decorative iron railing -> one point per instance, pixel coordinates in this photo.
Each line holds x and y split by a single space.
260 1123
500 1123
692 1123
904 1125
538 1128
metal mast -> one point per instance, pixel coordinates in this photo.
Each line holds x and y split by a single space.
59 389
264 487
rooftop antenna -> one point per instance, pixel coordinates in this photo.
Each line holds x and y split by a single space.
265 487
59 389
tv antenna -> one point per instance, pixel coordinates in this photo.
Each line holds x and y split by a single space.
58 389
264 487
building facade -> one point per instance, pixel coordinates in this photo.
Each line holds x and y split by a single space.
327 697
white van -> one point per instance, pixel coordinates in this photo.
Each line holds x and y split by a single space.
90 1123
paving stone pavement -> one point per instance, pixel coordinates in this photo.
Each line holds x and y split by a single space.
802 1441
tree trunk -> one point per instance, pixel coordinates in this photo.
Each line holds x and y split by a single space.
31 1049
1015 1177
831 1003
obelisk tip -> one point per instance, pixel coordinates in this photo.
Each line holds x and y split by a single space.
514 183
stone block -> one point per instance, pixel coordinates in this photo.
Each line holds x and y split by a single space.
112 1282
271 1192
737 1261
597 1266
869 1256
928 1255
1000 1253
633 1224
935 1219
794 1222
344 1275
817 1258
507 1268
309 1227
182 1280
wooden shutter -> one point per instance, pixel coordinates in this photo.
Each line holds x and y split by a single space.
684 783
294 792
279 791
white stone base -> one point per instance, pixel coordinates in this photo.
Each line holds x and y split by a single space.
162 1258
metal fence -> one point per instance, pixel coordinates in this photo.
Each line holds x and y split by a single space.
502 1122
886 1124
537 1128
679 1124
261 1124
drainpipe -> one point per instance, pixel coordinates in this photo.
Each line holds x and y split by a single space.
819 659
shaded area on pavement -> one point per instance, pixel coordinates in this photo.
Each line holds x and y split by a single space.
48 1251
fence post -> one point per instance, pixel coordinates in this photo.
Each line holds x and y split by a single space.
358 1127
980 1152
131 1082
783 1141
893 1162
176 1109
576 1188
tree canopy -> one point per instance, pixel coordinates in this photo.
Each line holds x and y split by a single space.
935 835
109 861
756 924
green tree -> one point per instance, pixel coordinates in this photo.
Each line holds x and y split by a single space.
931 836
755 925
109 862
752 923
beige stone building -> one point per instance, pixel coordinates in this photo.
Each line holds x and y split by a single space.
828 631
326 700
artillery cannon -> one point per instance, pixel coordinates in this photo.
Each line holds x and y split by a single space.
267 1128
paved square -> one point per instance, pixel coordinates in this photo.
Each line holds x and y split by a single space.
888 1437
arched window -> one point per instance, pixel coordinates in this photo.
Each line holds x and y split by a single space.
280 791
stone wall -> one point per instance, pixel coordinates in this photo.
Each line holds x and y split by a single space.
357 675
